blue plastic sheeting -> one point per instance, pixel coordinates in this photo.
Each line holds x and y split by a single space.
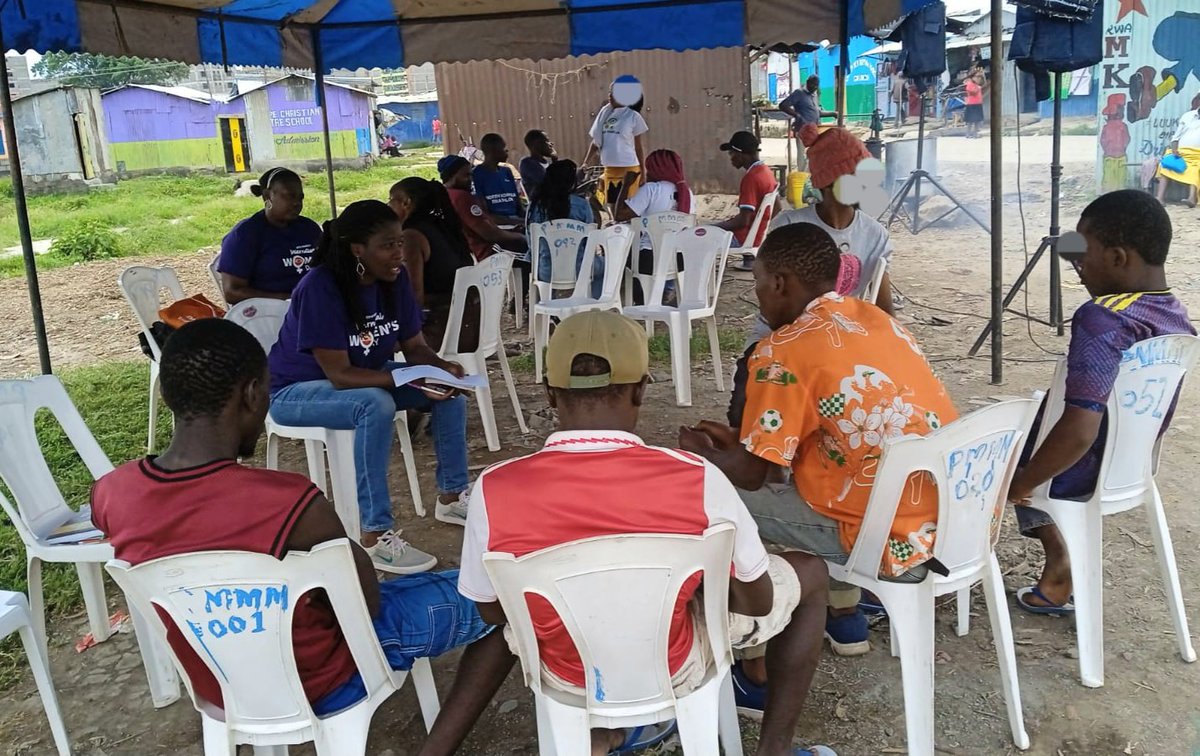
369 33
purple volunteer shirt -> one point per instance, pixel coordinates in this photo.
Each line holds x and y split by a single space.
1101 331
317 319
270 258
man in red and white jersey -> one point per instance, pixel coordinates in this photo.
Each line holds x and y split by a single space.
594 477
196 497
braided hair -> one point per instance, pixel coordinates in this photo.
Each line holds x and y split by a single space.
554 195
803 250
204 362
357 223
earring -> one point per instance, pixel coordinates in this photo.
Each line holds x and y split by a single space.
360 269
268 204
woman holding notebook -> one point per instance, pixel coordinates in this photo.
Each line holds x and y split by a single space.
332 368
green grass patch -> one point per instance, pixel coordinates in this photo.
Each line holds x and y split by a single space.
113 400
155 215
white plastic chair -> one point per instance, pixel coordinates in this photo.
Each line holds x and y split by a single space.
216 276
488 278
871 292
655 227
760 217
40 508
972 461
235 611
15 618
613 243
143 287
1151 374
615 596
263 318
563 239
706 249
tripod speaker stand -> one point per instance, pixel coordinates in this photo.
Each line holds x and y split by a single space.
1049 242
913 186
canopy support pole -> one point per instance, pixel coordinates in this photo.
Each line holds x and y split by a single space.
319 63
843 62
18 182
997 139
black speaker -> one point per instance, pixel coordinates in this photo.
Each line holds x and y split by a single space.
923 36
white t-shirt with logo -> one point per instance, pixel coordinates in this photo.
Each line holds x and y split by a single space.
865 238
655 197
613 132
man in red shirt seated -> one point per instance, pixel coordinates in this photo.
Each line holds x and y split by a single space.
759 181
196 497
594 477
478 224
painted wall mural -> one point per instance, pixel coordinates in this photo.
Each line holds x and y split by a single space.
1150 72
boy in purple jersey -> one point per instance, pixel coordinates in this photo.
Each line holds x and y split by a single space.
1127 234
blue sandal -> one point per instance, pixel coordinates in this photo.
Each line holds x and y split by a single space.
645 736
1047 607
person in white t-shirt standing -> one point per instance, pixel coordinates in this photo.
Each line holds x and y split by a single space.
617 139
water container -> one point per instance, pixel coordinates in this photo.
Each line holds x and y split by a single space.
795 188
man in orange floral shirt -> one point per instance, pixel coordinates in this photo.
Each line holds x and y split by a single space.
833 381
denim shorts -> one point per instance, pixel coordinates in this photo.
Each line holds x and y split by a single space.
420 616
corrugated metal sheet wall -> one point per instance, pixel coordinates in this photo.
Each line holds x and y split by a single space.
694 101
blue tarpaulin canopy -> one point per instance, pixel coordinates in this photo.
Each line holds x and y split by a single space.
326 34
395 33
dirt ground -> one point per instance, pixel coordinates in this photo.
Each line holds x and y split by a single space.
1148 705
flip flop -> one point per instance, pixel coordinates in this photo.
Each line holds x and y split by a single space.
1048 607
645 736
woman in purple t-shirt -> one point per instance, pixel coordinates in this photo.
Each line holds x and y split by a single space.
266 254
331 368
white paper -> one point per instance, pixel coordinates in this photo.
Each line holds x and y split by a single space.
433 375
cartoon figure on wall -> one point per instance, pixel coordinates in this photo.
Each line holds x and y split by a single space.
1114 143
1174 39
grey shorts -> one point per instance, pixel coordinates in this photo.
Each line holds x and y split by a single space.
786 519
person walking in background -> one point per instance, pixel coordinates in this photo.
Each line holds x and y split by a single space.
533 166
434 250
436 126
266 254
804 106
616 136
332 368
899 97
973 114
758 182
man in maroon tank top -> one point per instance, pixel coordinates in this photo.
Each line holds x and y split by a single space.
196 497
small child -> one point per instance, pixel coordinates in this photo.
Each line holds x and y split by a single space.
1128 234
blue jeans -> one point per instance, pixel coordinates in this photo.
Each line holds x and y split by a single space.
420 616
544 268
371 414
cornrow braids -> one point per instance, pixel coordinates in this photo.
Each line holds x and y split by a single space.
357 223
204 362
803 250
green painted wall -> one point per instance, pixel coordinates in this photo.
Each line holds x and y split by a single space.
311 146
176 153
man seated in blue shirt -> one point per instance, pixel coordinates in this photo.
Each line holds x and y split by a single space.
495 183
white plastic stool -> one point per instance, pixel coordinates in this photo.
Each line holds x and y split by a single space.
343 479
14 617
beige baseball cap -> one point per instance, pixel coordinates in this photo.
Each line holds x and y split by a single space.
611 335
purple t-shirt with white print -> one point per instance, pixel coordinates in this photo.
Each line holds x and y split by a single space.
270 258
317 319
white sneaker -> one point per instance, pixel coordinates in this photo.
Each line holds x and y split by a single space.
453 512
391 553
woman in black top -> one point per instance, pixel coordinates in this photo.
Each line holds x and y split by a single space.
434 250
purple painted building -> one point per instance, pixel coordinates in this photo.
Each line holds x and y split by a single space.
277 123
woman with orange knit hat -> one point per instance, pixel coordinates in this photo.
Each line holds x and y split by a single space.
833 154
